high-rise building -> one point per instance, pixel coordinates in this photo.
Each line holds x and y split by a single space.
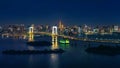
79 30
116 28
85 28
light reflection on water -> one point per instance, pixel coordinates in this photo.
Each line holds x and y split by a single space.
31 48
54 60
31 60
74 56
64 46
54 57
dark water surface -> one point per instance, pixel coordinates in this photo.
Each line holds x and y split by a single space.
74 57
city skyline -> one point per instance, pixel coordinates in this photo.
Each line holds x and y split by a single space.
51 11
59 33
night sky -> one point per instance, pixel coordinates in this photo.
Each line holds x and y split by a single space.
71 12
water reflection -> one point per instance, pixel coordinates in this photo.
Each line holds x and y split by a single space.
30 62
54 61
54 57
64 46
31 48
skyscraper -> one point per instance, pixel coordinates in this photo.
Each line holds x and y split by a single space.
115 28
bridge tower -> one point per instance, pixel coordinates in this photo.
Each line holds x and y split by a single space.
54 37
31 33
54 33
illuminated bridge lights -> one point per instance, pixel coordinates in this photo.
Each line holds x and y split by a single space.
54 35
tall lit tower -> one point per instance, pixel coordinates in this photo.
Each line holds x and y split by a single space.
60 26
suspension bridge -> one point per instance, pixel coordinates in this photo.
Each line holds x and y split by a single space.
54 34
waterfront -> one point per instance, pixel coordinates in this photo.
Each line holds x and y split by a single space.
74 57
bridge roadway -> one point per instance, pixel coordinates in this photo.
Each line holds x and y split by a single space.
81 39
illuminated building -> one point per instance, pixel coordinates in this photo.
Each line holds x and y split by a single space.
79 29
85 28
116 28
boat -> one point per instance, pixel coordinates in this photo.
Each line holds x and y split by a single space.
64 41
39 43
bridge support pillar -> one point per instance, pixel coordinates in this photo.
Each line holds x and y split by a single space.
31 33
54 33
54 37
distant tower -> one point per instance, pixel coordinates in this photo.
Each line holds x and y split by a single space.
60 26
31 33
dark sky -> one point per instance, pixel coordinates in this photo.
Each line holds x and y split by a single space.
91 12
